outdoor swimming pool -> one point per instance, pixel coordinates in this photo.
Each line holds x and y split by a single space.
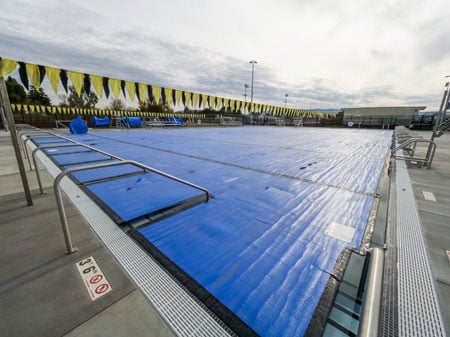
287 201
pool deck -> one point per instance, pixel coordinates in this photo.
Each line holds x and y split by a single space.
41 293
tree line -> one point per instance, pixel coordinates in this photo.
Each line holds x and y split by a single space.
18 95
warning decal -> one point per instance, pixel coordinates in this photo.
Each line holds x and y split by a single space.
94 280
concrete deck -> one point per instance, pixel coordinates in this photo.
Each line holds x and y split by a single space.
41 293
435 215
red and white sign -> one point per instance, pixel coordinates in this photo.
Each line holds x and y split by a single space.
94 280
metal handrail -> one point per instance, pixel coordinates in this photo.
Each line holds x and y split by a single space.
31 137
33 155
60 203
413 141
370 317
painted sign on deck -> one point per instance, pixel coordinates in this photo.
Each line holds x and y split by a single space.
429 196
93 278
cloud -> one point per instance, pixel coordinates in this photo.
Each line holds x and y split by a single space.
323 53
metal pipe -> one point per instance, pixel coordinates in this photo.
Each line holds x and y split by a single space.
370 318
33 155
60 203
12 129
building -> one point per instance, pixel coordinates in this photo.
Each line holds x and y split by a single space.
381 116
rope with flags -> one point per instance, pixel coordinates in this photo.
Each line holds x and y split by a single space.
34 74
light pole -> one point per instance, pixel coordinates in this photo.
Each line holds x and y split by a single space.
253 62
245 92
285 99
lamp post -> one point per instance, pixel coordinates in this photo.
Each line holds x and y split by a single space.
285 99
253 62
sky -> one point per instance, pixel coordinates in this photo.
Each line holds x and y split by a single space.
321 53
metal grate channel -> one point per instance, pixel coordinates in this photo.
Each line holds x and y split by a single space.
389 319
185 314
419 313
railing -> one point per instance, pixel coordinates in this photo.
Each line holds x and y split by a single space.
410 147
33 154
60 203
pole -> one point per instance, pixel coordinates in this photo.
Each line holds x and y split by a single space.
12 129
442 109
253 62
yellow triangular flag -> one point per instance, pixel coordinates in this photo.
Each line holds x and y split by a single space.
115 87
34 75
53 77
131 88
77 80
195 98
143 92
178 94
7 66
168 94
156 93
97 82
187 98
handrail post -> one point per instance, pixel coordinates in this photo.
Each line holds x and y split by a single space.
372 304
62 213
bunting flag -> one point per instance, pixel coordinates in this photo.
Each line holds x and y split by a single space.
168 95
131 88
156 93
77 80
115 87
53 77
142 92
187 98
195 98
178 95
7 66
34 74
97 82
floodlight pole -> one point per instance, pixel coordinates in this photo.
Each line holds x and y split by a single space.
253 62
285 99
6 106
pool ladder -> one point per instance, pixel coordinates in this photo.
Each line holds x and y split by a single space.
409 146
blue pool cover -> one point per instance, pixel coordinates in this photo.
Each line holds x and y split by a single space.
287 202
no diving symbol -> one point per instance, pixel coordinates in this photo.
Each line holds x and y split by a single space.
95 279
101 288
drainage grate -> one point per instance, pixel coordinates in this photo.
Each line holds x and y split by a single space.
419 313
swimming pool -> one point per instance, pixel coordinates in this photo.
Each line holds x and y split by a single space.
287 201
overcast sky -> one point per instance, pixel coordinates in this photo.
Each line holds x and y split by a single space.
322 53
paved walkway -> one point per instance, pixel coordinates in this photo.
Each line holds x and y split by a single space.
435 215
41 291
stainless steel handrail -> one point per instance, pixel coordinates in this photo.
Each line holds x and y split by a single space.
413 142
33 155
370 317
37 135
60 203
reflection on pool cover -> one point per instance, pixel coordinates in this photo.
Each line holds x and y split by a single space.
266 245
